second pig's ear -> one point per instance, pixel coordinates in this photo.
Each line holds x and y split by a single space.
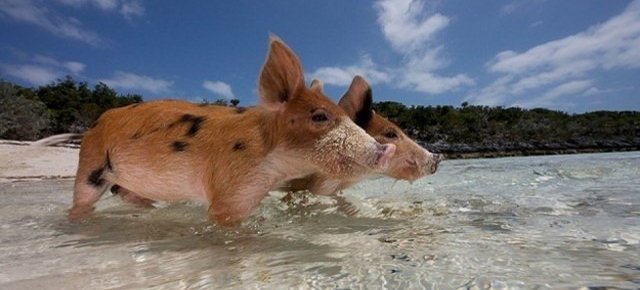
316 86
357 102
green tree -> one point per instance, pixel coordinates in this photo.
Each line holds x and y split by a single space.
221 102
75 106
21 116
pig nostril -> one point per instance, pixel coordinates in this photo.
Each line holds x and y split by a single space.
385 147
417 162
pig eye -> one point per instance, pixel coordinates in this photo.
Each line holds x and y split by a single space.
391 135
319 116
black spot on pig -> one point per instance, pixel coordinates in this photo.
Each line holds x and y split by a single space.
239 145
179 146
193 123
95 178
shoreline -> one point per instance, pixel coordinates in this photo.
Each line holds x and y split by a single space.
534 148
21 162
534 152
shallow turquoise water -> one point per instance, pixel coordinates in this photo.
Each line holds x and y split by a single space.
534 222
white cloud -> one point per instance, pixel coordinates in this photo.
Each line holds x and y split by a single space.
127 8
405 26
42 69
592 91
493 94
219 88
429 60
36 13
557 74
28 11
73 67
536 24
610 45
614 44
131 8
102 4
519 5
342 75
418 73
549 98
570 88
433 84
410 31
33 74
106 4
131 81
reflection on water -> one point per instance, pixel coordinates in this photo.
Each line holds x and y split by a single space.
537 222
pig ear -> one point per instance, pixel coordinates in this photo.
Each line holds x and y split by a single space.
357 101
316 86
281 76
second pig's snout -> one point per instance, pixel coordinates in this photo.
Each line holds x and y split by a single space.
436 161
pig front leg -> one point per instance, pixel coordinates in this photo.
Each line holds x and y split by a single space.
227 213
230 209
233 202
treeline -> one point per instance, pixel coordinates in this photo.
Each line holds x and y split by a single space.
481 131
465 131
60 107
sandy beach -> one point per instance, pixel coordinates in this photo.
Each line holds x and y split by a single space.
21 161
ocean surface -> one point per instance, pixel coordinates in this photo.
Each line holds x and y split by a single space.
551 222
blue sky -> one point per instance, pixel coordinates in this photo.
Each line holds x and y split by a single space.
571 55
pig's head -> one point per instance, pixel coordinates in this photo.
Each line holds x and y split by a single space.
410 161
307 124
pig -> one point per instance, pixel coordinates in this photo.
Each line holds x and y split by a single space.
228 158
410 161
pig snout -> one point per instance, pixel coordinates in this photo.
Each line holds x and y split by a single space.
427 164
349 150
436 161
383 155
